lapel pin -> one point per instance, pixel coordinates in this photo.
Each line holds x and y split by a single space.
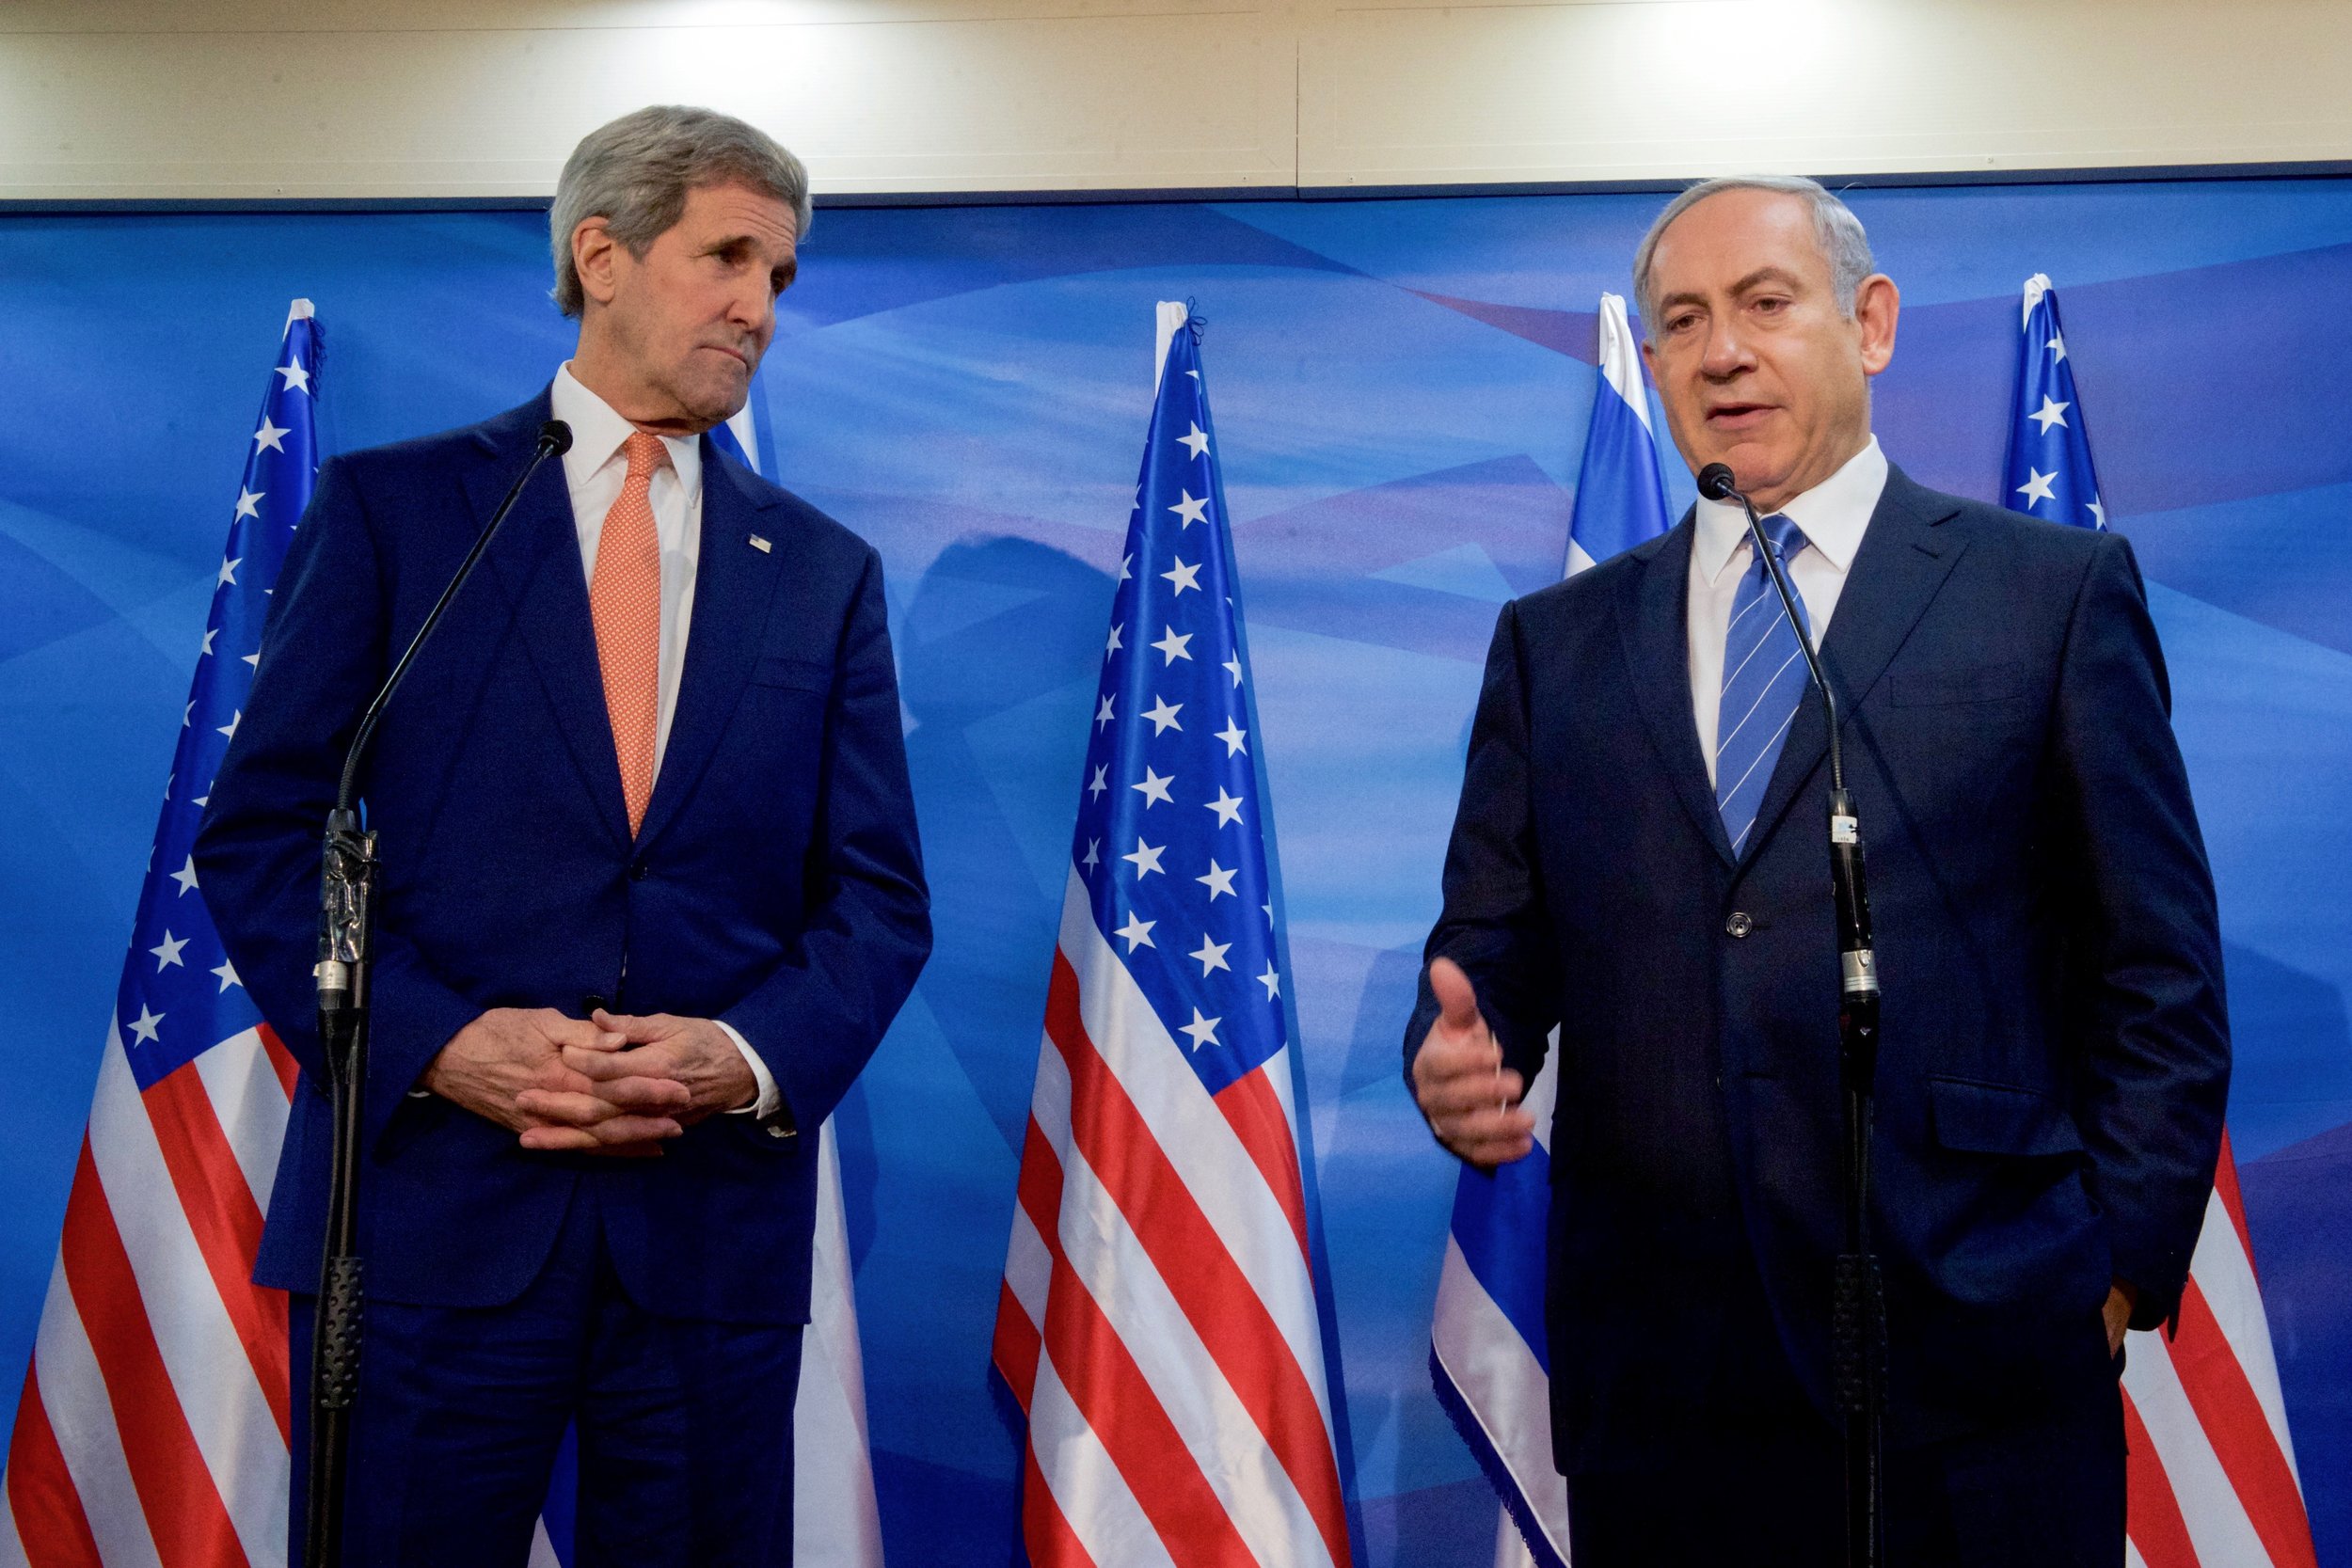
761 545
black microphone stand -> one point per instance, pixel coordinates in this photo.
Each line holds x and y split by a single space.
1858 1307
346 897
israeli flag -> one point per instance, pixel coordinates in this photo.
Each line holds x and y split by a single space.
1620 493
1488 1354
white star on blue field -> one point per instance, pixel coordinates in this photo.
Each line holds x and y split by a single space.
1169 837
180 995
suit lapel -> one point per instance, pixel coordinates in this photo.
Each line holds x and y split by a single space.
535 558
1654 617
1904 557
733 584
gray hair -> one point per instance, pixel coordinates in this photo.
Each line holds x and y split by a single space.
1844 245
635 173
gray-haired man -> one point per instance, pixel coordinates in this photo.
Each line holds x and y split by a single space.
1639 859
651 894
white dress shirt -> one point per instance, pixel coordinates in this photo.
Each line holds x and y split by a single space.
594 469
1834 516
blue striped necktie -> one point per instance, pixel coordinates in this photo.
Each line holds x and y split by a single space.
1764 678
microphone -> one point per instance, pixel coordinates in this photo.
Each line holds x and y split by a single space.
1858 1309
1858 976
346 899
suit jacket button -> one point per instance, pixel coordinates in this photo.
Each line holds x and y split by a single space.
1739 925
637 871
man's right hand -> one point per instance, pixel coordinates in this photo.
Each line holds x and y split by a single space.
1470 1099
507 1066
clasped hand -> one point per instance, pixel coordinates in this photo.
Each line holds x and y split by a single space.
611 1084
1470 1099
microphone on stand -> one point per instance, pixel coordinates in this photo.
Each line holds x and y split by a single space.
346 895
1857 962
1858 1311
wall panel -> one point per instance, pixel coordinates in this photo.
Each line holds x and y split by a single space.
1397 94
947 99
235 99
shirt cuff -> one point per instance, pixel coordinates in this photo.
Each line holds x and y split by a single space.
765 1103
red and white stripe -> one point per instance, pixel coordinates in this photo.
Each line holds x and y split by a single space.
153 1424
1157 1320
2213 1481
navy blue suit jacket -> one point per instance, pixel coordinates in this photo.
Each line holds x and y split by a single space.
775 882
2055 1054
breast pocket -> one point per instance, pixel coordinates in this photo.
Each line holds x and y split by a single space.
1959 684
768 774
786 709
1965 744
794 674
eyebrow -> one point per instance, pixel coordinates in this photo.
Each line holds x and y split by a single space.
1767 274
791 269
1746 285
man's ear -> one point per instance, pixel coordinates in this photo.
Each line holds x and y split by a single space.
1876 302
595 255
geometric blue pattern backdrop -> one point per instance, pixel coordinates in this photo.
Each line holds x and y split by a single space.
1401 392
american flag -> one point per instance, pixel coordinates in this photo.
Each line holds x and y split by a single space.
1489 1360
1157 1323
153 1424
2212 1481
2049 426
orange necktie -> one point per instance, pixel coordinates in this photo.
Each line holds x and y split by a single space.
624 602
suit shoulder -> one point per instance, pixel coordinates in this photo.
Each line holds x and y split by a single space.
2031 532
2038 557
2036 537
1576 597
420 458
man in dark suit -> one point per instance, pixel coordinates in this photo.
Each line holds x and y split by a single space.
1641 860
651 894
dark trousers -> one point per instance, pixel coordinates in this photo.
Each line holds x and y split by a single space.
685 1428
1765 1488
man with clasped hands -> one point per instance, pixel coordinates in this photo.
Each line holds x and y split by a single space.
1639 859
651 896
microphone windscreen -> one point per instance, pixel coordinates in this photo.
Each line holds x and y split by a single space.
1717 483
556 437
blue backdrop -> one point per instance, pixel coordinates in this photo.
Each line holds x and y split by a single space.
1401 391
